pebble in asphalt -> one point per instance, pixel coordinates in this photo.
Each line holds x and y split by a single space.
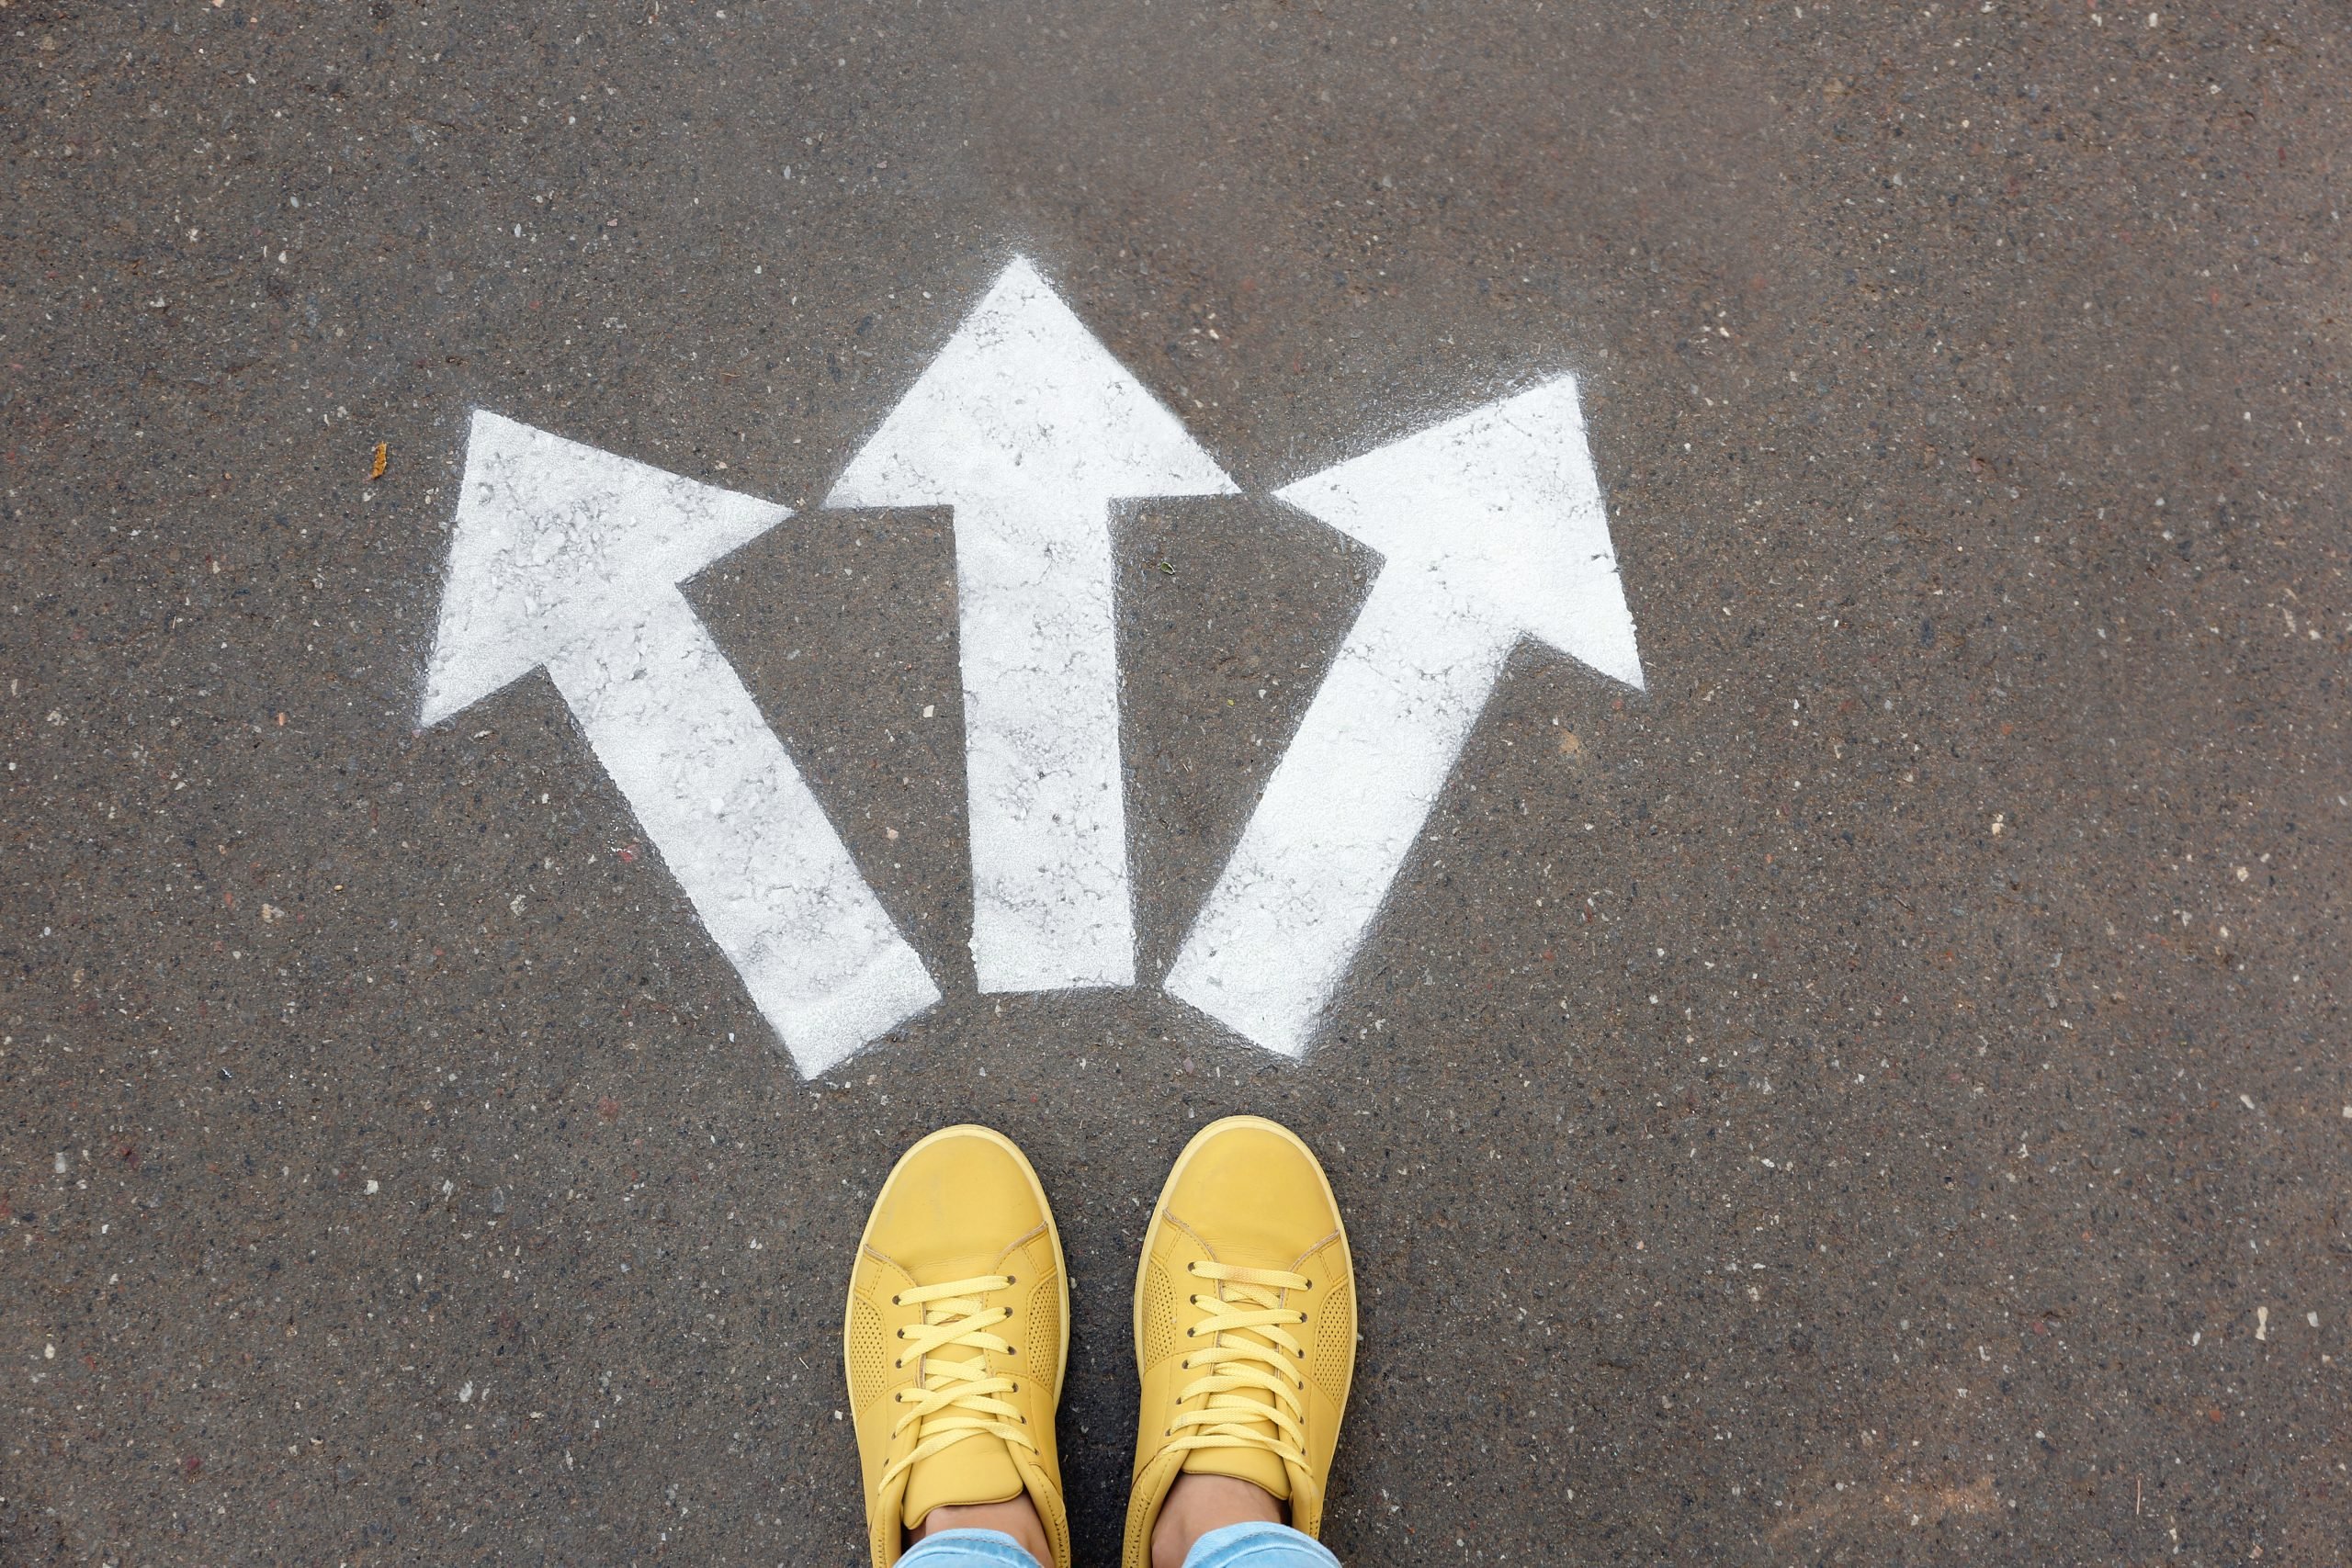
1877 1095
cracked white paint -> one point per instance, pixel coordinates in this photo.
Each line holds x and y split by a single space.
1029 429
1491 528
569 557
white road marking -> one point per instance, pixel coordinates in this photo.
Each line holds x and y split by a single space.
1491 528
569 557
1029 429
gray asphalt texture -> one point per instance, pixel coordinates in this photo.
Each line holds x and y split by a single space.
1879 1096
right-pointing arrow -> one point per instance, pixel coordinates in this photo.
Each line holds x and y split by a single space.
1491 528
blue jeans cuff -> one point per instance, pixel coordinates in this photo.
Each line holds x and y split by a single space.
1255 1545
967 1548
1258 1545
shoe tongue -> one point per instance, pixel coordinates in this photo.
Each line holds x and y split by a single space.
1253 1465
978 1470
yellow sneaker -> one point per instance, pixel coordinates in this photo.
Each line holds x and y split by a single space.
957 1331
1245 1325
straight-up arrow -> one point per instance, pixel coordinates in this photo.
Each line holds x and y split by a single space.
571 558
1029 429
1490 527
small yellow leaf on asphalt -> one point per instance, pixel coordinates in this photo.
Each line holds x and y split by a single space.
383 456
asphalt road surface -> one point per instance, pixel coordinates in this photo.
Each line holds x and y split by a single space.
1876 1093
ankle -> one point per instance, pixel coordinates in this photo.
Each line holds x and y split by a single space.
1016 1517
1199 1504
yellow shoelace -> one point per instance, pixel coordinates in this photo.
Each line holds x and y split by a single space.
956 1398
1256 1394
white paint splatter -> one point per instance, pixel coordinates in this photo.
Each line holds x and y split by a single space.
1492 528
1029 428
569 557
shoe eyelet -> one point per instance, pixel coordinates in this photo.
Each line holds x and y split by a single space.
1302 1317
1012 1278
894 1299
1192 1268
1191 1334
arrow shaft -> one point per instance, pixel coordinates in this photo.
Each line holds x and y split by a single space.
1052 905
1339 816
722 800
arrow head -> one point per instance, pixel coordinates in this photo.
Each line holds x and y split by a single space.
1497 514
556 541
1023 401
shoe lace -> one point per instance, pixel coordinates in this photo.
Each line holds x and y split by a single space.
1255 1395
955 1397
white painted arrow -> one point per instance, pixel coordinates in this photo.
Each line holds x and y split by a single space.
1030 430
569 557
1492 529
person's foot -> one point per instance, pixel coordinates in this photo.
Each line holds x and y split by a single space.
1246 1339
958 1330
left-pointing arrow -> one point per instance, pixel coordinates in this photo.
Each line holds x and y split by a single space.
570 557
1030 430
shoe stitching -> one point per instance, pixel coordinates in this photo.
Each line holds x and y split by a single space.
1199 1240
1313 1250
1020 1241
